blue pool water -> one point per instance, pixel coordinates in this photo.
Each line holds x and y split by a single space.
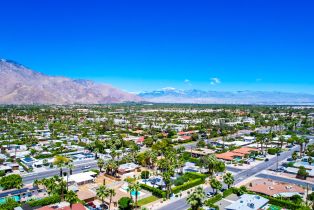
28 159
16 198
133 193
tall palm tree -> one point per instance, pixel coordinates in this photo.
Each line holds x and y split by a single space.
166 176
196 198
215 184
60 162
130 189
71 197
228 179
100 164
102 193
136 189
112 193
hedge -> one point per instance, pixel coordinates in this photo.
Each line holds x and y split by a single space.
228 192
187 185
214 199
45 201
194 175
283 203
156 192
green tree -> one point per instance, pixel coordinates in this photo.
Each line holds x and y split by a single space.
196 198
112 193
228 179
11 181
102 193
294 155
100 164
310 197
125 203
302 173
136 189
61 162
71 197
216 185
310 160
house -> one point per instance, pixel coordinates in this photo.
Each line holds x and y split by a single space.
248 202
229 156
274 188
127 167
236 154
76 206
200 152
81 178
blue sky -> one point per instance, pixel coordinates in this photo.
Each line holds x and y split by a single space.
145 45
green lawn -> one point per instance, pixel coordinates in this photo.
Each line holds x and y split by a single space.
147 200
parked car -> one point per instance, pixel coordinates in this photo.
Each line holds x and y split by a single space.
210 194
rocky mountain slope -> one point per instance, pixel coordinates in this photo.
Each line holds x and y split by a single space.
21 85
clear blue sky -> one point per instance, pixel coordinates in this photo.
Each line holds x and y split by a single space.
151 44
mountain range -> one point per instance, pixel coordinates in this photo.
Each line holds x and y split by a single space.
21 85
172 95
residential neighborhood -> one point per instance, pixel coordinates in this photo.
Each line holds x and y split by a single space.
156 157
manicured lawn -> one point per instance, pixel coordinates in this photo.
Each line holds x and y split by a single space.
147 200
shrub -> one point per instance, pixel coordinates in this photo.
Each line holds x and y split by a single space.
180 180
145 174
194 175
95 171
187 185
125 203
283 203
273 151
214 199
45 201
228 192
156 192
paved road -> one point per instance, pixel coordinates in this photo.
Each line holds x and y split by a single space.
284 179
29 178
182 204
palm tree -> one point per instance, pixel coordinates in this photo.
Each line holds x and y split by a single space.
102 193
215 184
136 189
210 162
36 183
112 193
60 162
71 167
166 176
100 164
71 197
228 179
300 141
310 160
130 189
196 198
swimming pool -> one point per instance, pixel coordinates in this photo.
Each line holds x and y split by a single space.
133 193
15 197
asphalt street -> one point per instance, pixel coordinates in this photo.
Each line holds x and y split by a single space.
29 178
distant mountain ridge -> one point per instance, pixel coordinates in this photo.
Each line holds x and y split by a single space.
21 85
172 95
